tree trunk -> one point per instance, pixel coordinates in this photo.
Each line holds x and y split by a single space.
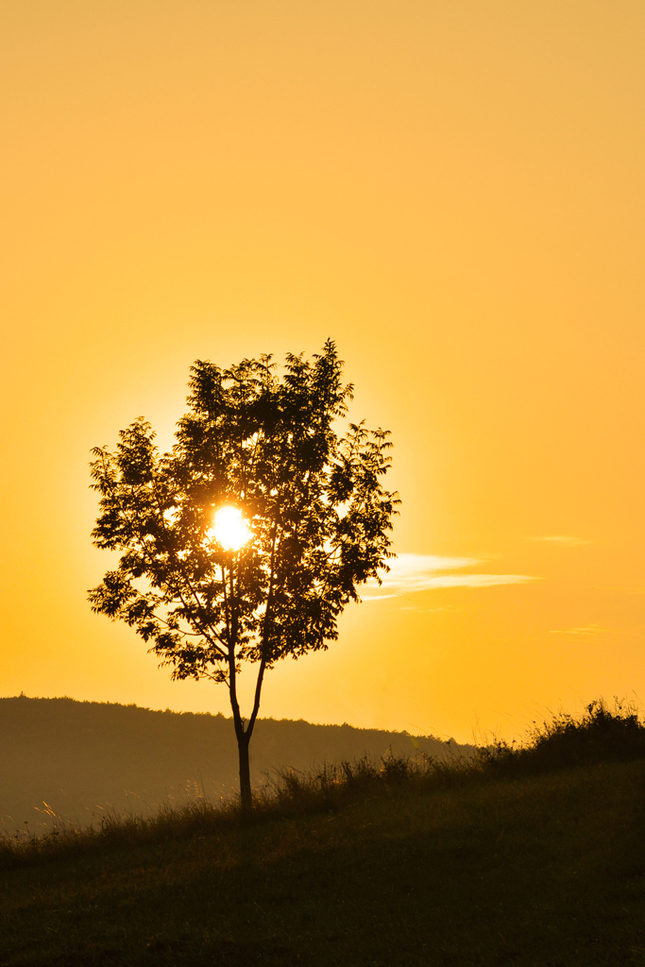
246 798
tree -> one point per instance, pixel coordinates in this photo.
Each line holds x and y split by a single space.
312 518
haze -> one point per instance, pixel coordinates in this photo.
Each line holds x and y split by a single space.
453 191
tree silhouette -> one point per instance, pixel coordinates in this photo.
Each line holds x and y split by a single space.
317 515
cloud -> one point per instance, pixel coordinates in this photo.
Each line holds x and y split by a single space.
562 540
588 630
410 573
420 608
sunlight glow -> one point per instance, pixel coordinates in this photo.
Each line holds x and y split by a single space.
229 528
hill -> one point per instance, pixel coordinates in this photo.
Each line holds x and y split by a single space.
77 760
543 870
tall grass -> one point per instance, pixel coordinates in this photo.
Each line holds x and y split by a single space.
287 793
600 734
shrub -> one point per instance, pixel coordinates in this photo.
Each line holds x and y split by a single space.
601 734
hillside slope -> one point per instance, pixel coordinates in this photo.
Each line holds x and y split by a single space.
81 758
545 871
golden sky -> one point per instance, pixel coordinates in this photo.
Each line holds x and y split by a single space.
453 190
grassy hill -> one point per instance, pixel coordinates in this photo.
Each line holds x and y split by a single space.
85 758
526 857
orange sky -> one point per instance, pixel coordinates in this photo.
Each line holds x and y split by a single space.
451 190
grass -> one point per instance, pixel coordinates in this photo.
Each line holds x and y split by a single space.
529 856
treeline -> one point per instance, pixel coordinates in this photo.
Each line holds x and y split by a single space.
75 761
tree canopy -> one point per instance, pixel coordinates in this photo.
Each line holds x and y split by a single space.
318 519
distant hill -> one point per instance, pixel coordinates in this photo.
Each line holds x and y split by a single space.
78 759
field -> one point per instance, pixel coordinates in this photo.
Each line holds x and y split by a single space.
510 863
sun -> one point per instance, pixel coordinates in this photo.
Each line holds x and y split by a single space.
229 528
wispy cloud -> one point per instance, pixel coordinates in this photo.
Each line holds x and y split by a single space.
410 573
563 540
587 630
420 608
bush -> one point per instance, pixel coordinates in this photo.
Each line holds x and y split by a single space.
601 734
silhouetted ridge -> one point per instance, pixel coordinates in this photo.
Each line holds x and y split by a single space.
82 758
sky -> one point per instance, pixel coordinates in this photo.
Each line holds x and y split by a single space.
453 191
